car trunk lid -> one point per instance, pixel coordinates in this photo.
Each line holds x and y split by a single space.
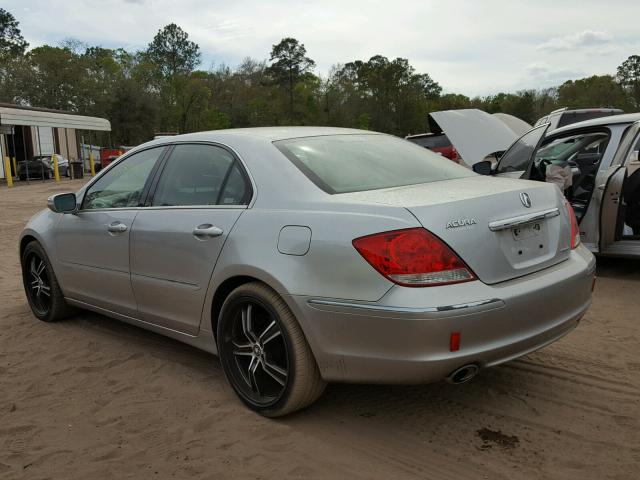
487 222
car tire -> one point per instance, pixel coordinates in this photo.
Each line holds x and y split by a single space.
264 353
41 286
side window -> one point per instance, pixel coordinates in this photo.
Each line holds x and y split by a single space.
519 154
236 190
123 184
200 175
634 156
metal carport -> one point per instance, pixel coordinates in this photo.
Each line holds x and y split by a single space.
29 131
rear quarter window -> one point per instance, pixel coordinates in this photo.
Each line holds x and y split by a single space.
353 163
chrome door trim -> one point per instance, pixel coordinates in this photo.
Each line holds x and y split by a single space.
522 219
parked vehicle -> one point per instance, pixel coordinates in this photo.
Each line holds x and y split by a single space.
603 185
35 168
563 116
306 255
437 143
108 155
63 165
41 166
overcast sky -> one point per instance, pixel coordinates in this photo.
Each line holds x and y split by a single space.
475 47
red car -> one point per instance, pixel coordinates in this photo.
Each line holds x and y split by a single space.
436 142
108 155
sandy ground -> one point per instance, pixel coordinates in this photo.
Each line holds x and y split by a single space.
93 398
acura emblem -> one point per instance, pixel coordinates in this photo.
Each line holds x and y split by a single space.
525 199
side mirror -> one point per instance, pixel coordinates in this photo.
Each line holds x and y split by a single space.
483 167
63 203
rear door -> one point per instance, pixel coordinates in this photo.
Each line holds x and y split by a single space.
93 245
201 192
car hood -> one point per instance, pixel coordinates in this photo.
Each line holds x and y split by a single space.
519 126
474 133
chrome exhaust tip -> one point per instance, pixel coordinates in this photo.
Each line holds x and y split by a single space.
463 374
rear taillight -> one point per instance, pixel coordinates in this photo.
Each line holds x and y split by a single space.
413 257
575 230
454 155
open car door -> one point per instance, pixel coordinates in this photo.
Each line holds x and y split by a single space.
516 161
609 198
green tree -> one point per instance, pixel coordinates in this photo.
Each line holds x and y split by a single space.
595 91
12 48
629 78
289 63
389 94
52 78
172 51
133 114
12 43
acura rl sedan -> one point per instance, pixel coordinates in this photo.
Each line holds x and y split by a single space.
306 255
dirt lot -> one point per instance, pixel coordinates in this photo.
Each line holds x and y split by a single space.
92 398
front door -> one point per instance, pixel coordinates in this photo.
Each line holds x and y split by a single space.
176 240
609 197
93 245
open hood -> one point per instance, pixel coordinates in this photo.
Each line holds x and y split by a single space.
519 126
474 133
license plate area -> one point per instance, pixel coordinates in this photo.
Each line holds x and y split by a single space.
526 231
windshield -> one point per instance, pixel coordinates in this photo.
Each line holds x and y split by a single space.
518 156
353 163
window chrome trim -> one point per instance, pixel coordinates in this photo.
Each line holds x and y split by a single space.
522 219
167 207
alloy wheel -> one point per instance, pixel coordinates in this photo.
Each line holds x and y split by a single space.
256 353
38 284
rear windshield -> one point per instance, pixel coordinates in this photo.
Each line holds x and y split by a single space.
431 141
354 163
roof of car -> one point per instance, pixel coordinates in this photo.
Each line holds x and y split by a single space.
269 133
600 121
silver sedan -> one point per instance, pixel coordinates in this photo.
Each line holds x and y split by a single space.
304 255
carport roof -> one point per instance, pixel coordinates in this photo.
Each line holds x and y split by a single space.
42 117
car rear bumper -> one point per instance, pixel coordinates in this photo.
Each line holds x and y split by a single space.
404 337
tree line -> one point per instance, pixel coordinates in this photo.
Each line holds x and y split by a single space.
162 89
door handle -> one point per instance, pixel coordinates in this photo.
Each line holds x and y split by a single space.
207 230
117 227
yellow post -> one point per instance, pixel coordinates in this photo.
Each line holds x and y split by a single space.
15 166
91 165
7 172
56 172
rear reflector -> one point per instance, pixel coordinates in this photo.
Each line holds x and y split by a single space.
454 342
413 257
